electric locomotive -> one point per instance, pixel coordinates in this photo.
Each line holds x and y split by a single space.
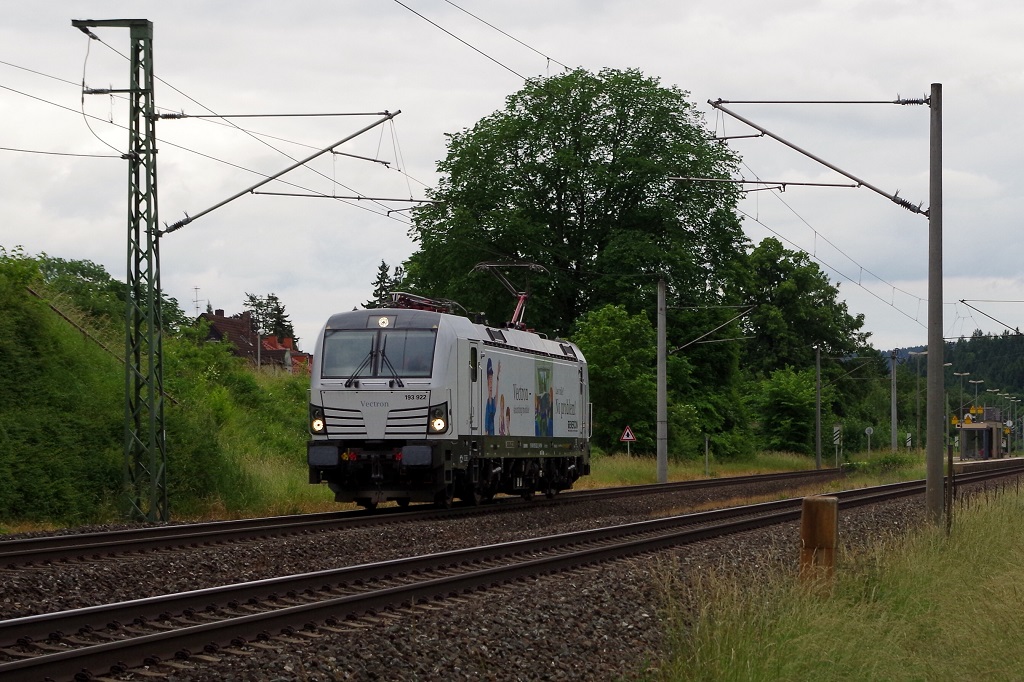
413 403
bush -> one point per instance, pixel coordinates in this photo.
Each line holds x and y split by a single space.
733 446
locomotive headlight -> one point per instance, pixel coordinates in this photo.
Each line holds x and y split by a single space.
316 419
438 419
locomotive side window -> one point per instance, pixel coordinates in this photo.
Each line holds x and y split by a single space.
472 364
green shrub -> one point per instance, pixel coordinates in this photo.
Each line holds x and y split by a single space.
733 446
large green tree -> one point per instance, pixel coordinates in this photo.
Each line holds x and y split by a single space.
794 309
785 405
577 173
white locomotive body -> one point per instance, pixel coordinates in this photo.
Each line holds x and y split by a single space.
421 405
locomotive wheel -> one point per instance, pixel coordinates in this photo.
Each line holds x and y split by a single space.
402 502
528 495
550 493
366 503
445 498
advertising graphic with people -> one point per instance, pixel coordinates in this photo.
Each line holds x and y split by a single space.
534 398
544 414
492 388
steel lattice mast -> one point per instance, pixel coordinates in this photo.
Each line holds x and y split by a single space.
145 450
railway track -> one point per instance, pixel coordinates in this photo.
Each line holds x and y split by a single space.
120 636
89 546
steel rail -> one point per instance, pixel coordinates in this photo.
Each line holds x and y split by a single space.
43 625
138 650
54 548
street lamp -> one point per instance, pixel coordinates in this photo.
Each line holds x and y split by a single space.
917 391
1008 422
945 407
961 375
989 390
1002 422
975 382
1014 430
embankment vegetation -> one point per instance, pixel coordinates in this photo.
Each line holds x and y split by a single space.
928 606
235 437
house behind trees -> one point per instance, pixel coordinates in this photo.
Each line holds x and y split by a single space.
240 332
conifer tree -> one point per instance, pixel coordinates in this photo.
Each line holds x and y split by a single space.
381 287
384 284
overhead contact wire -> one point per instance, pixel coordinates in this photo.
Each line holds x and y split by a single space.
240 129
507 35
472 47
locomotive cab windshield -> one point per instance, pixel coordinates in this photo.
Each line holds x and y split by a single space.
368 353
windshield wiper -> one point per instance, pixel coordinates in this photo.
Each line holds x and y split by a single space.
351 380
384 357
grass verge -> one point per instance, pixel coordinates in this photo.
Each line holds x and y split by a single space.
620 470
922 607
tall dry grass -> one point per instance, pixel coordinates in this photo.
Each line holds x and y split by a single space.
921 607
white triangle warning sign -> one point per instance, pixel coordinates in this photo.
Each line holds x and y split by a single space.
627 436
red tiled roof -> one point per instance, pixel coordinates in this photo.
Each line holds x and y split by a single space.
237 330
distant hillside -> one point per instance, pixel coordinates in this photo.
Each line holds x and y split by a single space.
997 361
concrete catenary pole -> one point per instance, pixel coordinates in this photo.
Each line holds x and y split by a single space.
894 438
817 406
662 388
936 346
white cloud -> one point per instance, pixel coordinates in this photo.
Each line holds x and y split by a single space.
321 256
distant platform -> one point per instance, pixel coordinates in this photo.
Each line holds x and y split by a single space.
960 466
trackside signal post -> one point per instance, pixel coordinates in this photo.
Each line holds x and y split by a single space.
145 448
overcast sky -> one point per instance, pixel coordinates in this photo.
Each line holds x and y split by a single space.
320 256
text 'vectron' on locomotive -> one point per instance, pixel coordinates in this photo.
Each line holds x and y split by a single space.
412 403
